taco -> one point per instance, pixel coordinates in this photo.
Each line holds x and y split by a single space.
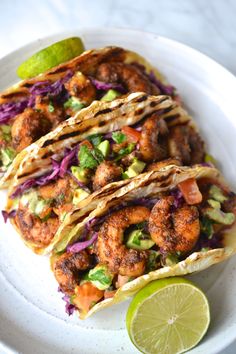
173 222
116 141
34 107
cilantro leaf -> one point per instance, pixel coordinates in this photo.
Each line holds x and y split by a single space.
207 227
95 139
125 151
51 107
74 103
89 158
118 137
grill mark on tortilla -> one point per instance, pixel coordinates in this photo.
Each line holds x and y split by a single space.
72 134
141 99
139 112
103 111
172 118
48 142
14 94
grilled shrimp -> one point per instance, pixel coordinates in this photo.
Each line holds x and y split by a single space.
151 144
67 269
106 172
186 144
28 127
81 87
174 231
164 163
110 248
61 191
33 229
130 76
50 110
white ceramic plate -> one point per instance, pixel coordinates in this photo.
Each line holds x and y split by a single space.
32 317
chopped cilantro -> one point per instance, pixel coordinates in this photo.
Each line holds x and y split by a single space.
89 158
95 139
51 107
125 151
207 227
118 137
74 103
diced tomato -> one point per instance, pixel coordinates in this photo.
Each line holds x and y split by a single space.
87 143
87 295
132 134
190 191
109 293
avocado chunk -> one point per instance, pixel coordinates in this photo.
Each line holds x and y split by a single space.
217 194
214 204
110 95
35 204
134 169
171 260
138 240
7 156
220 217
79 195
79 173
100 277
104 147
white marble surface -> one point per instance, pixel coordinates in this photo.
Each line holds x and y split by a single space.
208 26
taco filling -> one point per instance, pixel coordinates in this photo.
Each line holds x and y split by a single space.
94 163
139 236
49 102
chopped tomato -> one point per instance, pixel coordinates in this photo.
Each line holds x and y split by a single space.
190 191
109 293
87 143
86 296
132 134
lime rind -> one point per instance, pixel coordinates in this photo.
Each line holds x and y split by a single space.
50 57
155 306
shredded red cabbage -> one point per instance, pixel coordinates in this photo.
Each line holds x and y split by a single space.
165 89
48 88
100 85
79 246
69 308
10 110
68 159
179 199
7 215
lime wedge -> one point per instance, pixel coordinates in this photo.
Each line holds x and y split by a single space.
47 58
168 316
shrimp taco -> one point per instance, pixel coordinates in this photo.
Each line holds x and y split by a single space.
34 107
105 143
168 223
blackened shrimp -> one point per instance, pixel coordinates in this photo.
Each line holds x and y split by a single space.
106 172
130 76
34 229
174 231
67 269
110 247
152 143
186 144
81 87
28 127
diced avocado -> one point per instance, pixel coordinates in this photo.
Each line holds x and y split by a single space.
134 169
138 240
6 132
171 260
220 217
74 103
210 158
104 147
214 204
35 204
110 95
79 195
100 277
217 194
7 156
79 173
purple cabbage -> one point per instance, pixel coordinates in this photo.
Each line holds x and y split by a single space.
59 168
79 246
10 110
165 89
178 198
104 86
48 88
69 308
7 215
